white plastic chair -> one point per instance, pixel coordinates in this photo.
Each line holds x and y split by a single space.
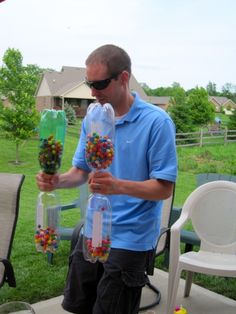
212 210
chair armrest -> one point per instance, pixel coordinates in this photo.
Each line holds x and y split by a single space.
175 214
164 232
179 223
81 201
175 232
9 272
73 204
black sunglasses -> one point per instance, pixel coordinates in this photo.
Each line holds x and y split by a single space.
99 85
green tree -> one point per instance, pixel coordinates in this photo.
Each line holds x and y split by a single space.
70 114
202 111
17 83
171 91
178 109
177 94
180 112
211 89
181 116
229 91
232 121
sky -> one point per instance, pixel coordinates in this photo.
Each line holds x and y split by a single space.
190 42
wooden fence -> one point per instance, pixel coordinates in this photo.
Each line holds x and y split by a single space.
210 137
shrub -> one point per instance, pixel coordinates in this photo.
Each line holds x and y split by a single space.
70 114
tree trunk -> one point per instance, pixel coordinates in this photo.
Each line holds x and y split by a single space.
17 153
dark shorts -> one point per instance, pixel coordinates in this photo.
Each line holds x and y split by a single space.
111 288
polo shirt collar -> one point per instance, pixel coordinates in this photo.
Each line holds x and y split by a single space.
134 111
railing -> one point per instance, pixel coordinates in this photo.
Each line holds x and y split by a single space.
210 137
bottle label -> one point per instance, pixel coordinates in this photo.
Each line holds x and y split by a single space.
97 229
52 217
39 213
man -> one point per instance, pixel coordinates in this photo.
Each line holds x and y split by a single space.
142 174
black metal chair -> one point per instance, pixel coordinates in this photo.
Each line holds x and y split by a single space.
162 247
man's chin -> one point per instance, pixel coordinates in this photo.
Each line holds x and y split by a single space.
101 101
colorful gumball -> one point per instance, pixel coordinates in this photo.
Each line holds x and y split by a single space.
50 154
100 251
46 240
99 151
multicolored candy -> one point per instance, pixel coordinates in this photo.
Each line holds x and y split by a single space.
50 154
46 240
101 251
99 151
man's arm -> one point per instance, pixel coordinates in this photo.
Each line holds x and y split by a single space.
72 178
105 183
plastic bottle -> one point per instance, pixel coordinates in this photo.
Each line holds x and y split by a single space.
97 233
47 221
100 125
52 135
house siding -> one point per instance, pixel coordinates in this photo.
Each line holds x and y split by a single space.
44 102
221 102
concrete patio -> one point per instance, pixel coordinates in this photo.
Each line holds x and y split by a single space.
200 301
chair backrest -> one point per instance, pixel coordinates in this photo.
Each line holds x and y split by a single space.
83 199
203 178
10 186
165 223
212 210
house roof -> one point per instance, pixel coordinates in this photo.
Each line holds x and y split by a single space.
59 83
221 101
159 100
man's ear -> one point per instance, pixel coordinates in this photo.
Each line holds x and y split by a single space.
125 76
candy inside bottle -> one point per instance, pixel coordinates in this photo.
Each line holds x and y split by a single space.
99 156
52 136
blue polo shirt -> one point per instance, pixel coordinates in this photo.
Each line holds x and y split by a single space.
144 149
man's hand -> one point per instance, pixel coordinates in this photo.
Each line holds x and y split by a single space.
47 182
103 182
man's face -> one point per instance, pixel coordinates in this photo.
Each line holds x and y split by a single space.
103 87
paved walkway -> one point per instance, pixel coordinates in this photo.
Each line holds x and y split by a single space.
200 301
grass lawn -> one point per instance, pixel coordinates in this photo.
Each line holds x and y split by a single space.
36 279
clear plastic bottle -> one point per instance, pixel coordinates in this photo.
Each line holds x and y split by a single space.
47 221
97 230
100 124
52 135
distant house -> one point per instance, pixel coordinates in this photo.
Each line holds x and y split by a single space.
68 86
222 103
161 101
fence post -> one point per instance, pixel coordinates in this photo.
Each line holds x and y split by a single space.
201 137
226 136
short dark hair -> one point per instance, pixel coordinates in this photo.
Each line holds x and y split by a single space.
113 57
